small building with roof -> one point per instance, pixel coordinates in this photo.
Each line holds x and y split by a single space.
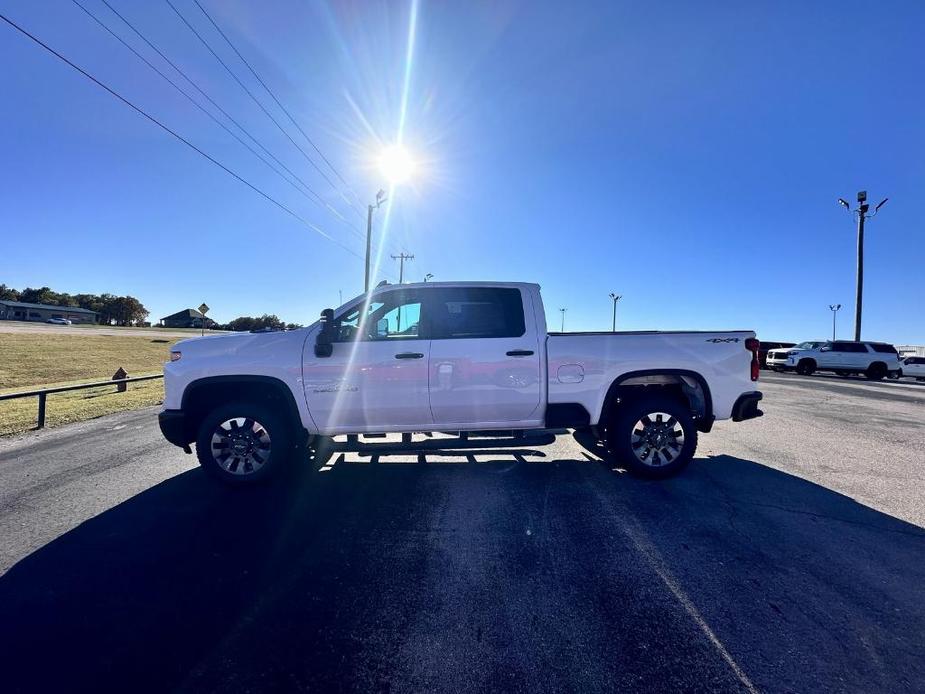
18 310
187 318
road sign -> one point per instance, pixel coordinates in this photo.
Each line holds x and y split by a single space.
203 308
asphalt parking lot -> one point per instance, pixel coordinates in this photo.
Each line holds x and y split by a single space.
789 557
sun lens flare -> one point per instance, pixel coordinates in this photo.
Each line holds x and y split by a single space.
396 164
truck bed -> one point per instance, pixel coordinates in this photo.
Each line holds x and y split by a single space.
581 365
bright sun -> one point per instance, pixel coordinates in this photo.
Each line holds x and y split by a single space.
396 164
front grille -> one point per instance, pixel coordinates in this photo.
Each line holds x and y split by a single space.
777 355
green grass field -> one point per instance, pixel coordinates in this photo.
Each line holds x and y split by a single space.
34 360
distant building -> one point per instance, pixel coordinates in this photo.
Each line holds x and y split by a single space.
17 310
187 318
911 350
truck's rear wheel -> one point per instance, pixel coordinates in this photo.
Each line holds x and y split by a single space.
876 371
243 443
652 436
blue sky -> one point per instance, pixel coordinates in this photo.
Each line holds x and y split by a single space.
685 155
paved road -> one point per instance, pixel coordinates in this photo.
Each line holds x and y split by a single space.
52 329
789 557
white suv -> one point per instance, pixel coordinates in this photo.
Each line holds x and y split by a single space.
873 359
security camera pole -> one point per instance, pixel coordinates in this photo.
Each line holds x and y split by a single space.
861 212
380 198
834 309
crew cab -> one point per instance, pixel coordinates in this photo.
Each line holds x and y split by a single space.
452 357
875 360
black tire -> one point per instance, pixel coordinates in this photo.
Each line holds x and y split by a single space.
876 371
645 448
244 452
806 367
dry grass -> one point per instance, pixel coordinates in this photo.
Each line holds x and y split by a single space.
29 361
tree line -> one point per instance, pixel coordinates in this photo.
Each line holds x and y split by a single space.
264 322
127 310
113 310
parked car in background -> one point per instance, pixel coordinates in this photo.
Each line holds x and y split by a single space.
875 360
58 321
776 359
764 347
914 367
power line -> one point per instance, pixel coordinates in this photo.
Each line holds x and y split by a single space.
179 137
192 100
315 196
257 101
275 99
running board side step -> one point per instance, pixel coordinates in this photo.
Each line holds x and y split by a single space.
448 444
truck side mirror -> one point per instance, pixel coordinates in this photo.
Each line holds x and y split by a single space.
324 342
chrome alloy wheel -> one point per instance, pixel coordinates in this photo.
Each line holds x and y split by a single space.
657 439
240 445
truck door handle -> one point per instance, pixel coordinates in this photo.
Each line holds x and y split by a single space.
520 353
409 355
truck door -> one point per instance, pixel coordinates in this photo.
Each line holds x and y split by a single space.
485 366
376 378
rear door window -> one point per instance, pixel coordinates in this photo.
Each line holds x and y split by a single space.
476 312
848 347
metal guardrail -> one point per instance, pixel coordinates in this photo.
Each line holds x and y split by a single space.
43 393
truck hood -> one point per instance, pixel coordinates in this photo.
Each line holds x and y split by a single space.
237 343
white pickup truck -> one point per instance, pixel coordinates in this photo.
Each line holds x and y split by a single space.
458 357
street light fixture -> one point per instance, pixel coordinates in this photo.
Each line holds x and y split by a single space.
616 298
834 309
428 276
861 212
396 166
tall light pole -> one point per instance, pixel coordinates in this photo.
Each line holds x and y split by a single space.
562 311
834 309
861 212
380 198
616 298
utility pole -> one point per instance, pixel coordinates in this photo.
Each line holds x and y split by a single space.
616 298
563 310
861 212
834 309
401 257
380 198
401 268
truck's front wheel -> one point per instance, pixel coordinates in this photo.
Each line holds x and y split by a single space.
242 443
653 436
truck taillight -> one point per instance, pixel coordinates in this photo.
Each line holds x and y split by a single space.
751 344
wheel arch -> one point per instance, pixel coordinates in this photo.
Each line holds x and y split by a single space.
203 394
698 395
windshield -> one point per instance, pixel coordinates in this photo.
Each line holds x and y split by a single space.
807 345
